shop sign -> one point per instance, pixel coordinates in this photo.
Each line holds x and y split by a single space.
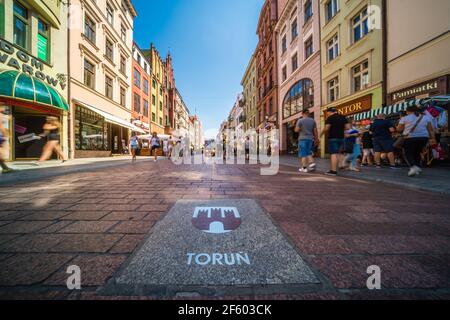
356 106
415 91
25 63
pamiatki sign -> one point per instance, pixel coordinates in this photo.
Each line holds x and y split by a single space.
214 248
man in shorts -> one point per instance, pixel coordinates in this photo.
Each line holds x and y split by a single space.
383 142
335 127
308 136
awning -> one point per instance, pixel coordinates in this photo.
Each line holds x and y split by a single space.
22 86
111 118
395 108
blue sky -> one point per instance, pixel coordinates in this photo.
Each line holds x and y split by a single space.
211 42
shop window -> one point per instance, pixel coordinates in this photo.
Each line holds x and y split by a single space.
89 74
21 25
299 97
360 25
89 28
90 130
43 43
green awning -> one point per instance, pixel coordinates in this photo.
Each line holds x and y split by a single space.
18 85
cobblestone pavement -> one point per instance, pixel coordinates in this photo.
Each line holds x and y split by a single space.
341 226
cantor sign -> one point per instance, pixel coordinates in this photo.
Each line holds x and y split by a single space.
356 106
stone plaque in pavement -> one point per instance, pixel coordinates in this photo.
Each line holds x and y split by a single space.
217 247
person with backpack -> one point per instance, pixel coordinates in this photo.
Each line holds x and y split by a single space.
155 143
417 131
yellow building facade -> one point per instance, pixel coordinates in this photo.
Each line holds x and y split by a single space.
351 57
157 90
250 95
33 73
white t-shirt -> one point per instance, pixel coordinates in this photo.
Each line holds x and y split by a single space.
154 141
421 130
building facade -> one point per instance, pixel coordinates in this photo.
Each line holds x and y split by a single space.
299 80
140 99
33 73
352 56
250 95
419 65
157 90
181 117
169 84
266 64
100 69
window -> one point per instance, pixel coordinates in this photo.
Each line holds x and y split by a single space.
309 50
295 62
89 28
298 98
109 14
139 59
153 117
333 48
145 86
123 93
160 106
284 73
43 44
160 91
123 64
89 74
137 103
160 121
154 84
21 25
294 30
308 10
153 100
360 25
284 44
137 78
91 131
109 49
123 33
145 108
108 87
360 76
331 9
333 90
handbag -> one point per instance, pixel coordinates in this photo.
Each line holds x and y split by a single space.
398 144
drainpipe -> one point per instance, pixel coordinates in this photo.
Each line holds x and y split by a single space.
385 51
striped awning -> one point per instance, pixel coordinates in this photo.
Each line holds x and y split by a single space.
392 109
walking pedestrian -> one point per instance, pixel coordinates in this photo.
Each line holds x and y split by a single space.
170 147
367 144
308 136
134 146
3 136
166 148
417 131
155 143
382 130
352 146
247 148
51 131
335 127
